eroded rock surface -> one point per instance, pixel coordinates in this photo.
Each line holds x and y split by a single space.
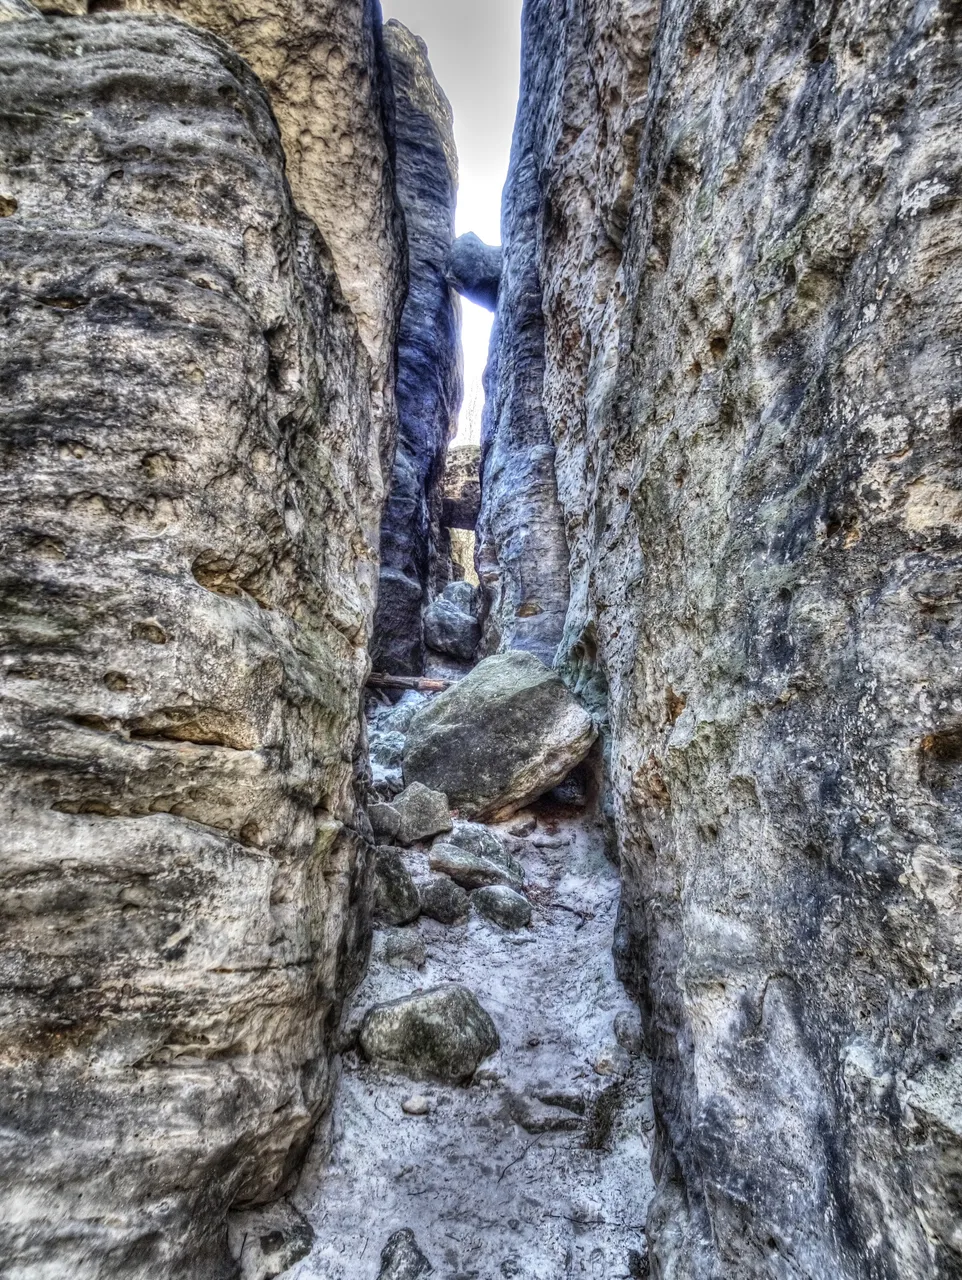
190 487
731 287
502 736
429 359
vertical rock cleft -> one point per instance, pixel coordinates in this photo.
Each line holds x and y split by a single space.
429 356
190 485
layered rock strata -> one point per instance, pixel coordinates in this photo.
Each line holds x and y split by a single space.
429 357
190 489
324 68
731 291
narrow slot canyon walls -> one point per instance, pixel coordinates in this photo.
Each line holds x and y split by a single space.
429 358
195 414
730 324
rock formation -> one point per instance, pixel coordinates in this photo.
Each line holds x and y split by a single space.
474 269
724 401
323 65
191 488
429 376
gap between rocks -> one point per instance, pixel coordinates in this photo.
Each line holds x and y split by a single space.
535 1164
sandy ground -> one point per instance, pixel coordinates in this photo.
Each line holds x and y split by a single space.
486 1198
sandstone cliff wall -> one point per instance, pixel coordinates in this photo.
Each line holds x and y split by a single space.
743 225
429 355
323 65
191 484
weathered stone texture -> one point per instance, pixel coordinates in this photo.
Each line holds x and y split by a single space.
429 355
752 379
190 483
322 63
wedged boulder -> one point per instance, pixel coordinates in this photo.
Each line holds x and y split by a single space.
474 269
424 813
499 738
449 629
463 596
472 870
503 906
396 898
442 1034
443 900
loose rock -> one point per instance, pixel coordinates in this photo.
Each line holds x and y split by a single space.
443 900
536 1116
449 629
463 596
502 736
502 906
404 949
416 1106
385 820
472 871
443 1034
396 898
402 1259
424 813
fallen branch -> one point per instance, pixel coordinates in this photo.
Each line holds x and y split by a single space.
419 684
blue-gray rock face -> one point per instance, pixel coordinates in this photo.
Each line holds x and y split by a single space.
429 358
474 269
742 254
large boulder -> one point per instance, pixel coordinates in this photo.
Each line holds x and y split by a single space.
500 738
443 1034
449 629
474 269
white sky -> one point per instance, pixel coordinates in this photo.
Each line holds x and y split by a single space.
475 50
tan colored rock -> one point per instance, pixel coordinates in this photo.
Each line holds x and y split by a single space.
322 63
189 481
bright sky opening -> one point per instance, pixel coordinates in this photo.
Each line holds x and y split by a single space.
476 55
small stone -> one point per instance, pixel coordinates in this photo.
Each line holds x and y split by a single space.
442 1034
613 1062
473 872
629 1032
443 900
396 898
385 821
502 906
536 1116
419 1105
524 826
424 813
402 1259
403 949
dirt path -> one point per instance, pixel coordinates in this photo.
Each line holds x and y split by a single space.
486 1197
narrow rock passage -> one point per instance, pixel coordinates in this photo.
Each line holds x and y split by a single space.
539 1168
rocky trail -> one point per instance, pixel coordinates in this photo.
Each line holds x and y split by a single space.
536 1167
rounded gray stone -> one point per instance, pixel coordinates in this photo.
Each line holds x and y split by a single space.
441 1034
502 906
443 900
